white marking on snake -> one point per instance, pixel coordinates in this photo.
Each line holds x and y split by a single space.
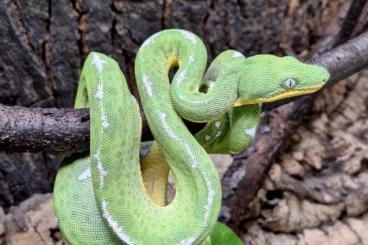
251 131
148 85
193 159
102 172
217 124
211 195
237 54
188 241
190 36
191 59
207 137
166 127
115 225
181 77
86 175
98 62
105 122
99 93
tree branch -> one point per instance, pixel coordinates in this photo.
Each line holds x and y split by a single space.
67 130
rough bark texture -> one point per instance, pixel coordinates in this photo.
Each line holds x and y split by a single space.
43 45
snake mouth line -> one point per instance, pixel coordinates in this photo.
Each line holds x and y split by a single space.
291 93
277 96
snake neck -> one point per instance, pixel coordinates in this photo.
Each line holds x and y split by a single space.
206 97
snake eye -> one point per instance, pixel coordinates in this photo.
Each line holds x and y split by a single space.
290 83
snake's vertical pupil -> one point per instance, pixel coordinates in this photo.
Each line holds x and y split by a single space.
289 83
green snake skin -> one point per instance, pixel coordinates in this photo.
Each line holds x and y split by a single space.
102 199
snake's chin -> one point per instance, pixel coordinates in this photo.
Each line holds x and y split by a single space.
291 93
277 96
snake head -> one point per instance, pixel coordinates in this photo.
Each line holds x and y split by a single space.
268 78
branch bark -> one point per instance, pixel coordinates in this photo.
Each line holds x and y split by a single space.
67 130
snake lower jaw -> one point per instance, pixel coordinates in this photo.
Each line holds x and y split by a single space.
277 96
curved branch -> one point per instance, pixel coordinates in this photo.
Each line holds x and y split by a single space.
67 130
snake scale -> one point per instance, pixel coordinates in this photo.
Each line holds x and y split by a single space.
114 196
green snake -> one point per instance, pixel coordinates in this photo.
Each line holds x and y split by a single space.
114 196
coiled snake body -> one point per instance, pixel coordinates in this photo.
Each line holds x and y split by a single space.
103 198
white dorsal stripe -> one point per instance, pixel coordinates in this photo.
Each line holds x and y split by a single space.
193 159
181 76
99 92
210 199
105 122
98 62
101 170
169 132
115 225
148 85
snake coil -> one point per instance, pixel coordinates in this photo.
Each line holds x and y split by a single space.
107 197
